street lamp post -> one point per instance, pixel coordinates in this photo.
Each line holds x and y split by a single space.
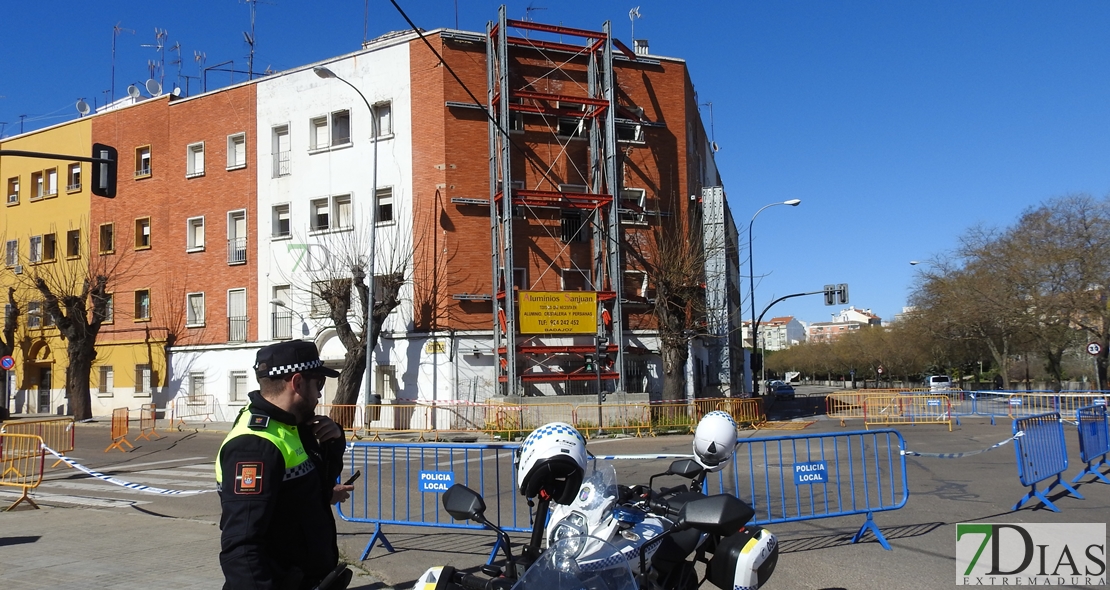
751 284
369 323
284 305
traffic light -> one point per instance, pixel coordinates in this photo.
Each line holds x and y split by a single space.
842 291
590 362
104 173
757 363
830 294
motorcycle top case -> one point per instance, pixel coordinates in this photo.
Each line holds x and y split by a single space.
745 559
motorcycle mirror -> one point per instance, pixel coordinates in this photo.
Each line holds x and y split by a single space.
721 515
463 503
684 468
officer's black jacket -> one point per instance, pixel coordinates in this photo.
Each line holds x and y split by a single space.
286 530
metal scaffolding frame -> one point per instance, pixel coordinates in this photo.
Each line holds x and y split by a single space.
509 93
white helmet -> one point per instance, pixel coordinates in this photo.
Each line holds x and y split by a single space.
714 440
551 461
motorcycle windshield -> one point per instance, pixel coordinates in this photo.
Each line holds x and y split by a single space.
600 485
578 563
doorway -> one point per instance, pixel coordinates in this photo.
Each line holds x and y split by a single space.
45 377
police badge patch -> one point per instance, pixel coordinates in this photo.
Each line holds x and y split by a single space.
248 478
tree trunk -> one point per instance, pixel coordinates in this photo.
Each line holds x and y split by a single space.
82 352
674 356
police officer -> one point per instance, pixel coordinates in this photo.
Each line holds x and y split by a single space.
276 475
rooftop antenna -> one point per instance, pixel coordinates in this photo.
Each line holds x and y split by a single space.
531 8
159 46
249 38
176 48
632 16
116 30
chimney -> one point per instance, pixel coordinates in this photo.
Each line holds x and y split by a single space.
640 46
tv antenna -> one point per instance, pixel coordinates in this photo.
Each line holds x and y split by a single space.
159 46
632 16
250 39
531 8
116 30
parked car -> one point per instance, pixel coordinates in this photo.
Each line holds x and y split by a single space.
781 389
938 383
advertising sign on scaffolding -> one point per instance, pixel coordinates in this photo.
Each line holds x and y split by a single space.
558 312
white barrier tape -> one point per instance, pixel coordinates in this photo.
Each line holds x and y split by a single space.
966 453
119 482
621 457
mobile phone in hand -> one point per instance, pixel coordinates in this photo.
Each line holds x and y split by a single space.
353 478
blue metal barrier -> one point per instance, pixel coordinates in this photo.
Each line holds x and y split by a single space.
1042 453
805 477
1094 440
402 482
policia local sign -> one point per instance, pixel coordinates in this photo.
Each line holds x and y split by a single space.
558 312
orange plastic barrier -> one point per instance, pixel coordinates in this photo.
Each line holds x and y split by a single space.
744 410
148 421
918 408
57 433
120 426
349 417
594 419
22 461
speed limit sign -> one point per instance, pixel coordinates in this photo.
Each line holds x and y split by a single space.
1094 348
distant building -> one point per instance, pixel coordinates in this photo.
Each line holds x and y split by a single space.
845 321
777 333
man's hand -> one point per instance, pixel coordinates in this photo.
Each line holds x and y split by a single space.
324 429
340 493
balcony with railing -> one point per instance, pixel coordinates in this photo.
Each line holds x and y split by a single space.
237 251
282 164
237 329
282 325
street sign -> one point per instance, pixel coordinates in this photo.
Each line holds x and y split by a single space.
1094 348
7 362
880 369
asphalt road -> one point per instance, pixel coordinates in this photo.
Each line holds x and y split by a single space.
815 554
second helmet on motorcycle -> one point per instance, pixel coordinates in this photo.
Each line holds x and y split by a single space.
714 440
551 461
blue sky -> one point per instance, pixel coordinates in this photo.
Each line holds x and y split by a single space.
899 124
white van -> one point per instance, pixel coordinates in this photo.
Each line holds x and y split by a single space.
939 382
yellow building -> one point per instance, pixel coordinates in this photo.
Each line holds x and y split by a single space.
45 235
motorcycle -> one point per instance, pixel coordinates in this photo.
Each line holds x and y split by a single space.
640 522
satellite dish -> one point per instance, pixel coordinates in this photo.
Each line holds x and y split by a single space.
153 87
133 91
82 107
715 146
176 91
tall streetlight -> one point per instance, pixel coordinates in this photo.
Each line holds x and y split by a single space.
751 284
369 324
285 306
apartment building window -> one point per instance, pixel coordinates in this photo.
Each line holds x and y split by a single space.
196 387
73 243
107 239
107 384
11 253
319 220
236 151
384 214
194 230
571 227
47 317
194 310
237 386
280 151
281 325
49 247
632 206
142 233
34 314
38 188
237 315
109 308
635 284
330 130
573 127
282 227
576 279
317 306
74 181
142 161
344 217
383 117
142 305
520 278
630 132
13 190
237 237
194 160
35 254
51 182
144 379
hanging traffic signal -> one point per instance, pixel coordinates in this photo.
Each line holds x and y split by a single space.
830 294
842 292
104 173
